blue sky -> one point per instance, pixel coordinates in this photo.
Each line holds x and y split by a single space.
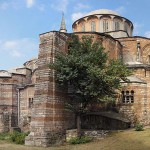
21 22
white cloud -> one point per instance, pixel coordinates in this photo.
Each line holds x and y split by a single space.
76 16
137 28
30 3
80 6
18 48
147 34
60 5
120 10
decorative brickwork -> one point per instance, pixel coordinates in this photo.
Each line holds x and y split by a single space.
49 118
31 99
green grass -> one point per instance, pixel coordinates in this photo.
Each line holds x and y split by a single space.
125 140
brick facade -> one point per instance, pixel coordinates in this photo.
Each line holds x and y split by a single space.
32 100
49 118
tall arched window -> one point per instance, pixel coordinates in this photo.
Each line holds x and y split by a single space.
93 26
126 26
82 27
105 25
117 25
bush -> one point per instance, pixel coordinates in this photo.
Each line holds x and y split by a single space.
139 127
82 140
18 137
4 136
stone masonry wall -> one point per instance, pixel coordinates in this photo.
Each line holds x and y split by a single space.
26 104
137 112
8 103
4 122
110 44
49 118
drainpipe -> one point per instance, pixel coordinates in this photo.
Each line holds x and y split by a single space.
18 93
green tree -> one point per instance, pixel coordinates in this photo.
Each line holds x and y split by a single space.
87 71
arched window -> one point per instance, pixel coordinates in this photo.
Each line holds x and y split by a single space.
123 96
117 25
126 27
132 96
105 25
82 27
93 26
128 97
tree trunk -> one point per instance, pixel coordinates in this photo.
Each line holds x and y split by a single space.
79 126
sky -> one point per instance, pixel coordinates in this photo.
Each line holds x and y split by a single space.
21 22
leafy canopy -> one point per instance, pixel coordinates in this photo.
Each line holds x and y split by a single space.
87 70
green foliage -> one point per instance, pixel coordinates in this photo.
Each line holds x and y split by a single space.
139 127
88 71
15 137
18 137
4 136
82 140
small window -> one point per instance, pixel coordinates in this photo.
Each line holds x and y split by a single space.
128 97
29 119
123 96
93 26
82 27
132 96
117 25
30 102
105 25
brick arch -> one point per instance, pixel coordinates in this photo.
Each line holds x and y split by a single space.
81 21
92 17
146 53
145 46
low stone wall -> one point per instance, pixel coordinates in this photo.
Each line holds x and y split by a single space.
96 134
71 134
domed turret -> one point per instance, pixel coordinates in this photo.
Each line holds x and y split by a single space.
104 21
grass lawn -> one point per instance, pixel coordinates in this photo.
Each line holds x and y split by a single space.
125 140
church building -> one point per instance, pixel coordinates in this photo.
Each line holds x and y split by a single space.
31 99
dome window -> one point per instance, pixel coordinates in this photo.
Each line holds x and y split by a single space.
93 26
105 25
82 27
117 25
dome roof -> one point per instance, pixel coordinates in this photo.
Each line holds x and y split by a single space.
102 11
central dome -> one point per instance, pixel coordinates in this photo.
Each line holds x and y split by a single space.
104 21
102 11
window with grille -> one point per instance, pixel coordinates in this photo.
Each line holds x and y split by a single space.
128 97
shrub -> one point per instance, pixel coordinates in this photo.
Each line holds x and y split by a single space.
4 136
82 140
139 127
18 137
